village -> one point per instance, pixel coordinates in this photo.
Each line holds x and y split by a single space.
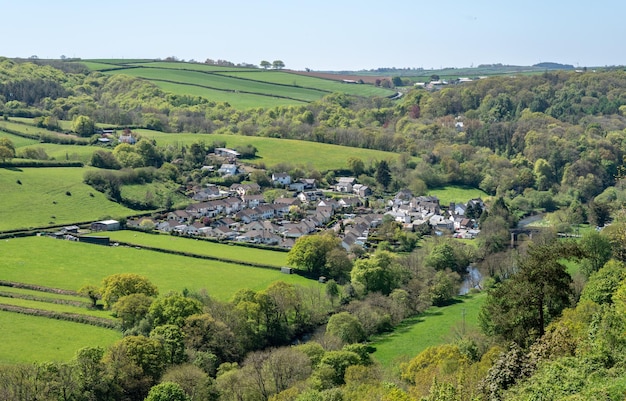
242 213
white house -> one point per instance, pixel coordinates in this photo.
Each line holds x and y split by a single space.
228 169
281 179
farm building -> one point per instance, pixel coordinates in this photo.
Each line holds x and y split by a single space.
105 225
225 152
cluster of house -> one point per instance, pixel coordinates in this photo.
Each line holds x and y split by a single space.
107 136
242 214
415 211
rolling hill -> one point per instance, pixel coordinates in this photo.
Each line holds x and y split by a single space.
238 86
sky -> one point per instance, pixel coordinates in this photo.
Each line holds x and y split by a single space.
322 35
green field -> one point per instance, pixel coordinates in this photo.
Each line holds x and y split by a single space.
18 141
236 100
435 326
42 198
223 82
222 251
241 87
42 294
27 339
456 194
66 152
48 306
191 66
286 78
70 265
272 151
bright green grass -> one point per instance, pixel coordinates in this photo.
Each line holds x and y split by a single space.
433 327
286 78
43 294
232 252
119 61
236 100
27 339
192 66
217 81
456 194
66 152
18 141
94 66
28 129
70 265
32 203
272 151
47 306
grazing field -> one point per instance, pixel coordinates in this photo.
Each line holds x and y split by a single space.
190 66
65 152
70 265
18 141
37 197
236 100
457 194
52 307
27 339
272 151
435 326
42 294
288 78
241 87
206 248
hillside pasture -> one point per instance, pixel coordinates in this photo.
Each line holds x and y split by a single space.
294 79
38 197
456 194
206 248
27 339
236 100
190 66
240 87
70 265
272 151
52 307
223 82
18 141
65 152
435 326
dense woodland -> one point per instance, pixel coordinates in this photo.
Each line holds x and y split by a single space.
551 142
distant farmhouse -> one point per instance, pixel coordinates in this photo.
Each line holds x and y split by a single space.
105 225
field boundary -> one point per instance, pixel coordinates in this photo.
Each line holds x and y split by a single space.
197 256
78 304
4 283
71 317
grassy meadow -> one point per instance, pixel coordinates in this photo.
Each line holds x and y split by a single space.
48 306
272 151
36 197
225 82
18 141
70 265
457 194
242 88
435 326
287 78
27 339
198 247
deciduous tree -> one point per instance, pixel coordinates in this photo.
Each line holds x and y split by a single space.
118 285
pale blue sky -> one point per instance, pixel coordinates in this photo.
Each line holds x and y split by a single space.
322 34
